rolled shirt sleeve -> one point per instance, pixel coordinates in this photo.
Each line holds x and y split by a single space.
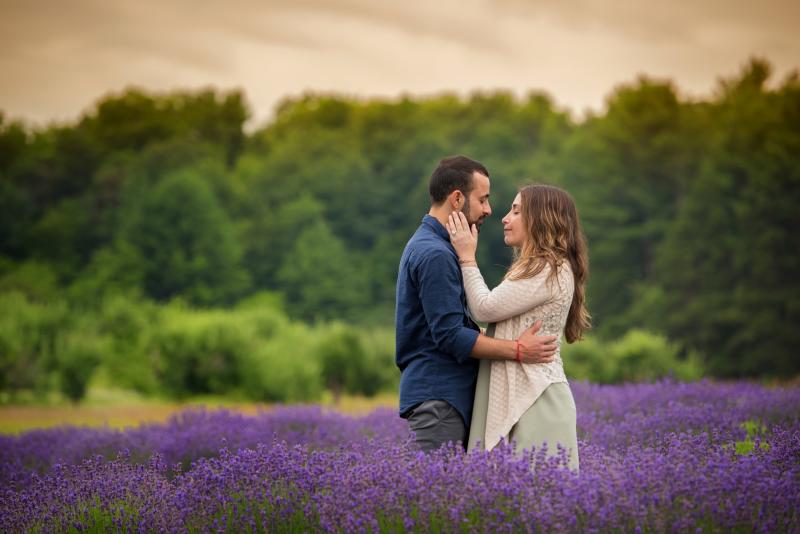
439 281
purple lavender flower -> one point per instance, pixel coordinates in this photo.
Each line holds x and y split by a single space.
654 457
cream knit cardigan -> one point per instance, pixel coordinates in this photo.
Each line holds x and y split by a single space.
514 306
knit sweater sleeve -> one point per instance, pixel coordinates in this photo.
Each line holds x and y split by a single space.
510 298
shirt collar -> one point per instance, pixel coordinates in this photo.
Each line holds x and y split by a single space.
434 223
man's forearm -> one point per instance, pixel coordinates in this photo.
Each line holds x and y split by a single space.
534 349
489 348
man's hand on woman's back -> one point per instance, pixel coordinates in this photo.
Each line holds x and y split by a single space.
537 349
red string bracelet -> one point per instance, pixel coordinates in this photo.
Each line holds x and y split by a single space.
518 357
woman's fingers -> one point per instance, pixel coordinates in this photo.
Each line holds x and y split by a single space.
456 226
456 221
462 220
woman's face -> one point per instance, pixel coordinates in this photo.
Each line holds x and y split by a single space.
513 226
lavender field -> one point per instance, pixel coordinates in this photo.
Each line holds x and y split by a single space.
654 457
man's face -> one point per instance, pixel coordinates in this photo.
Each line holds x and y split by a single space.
476 204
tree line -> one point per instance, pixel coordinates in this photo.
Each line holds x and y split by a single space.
689 204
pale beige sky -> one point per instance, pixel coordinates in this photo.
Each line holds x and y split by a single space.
58 57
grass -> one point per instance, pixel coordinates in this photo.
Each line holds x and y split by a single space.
122 409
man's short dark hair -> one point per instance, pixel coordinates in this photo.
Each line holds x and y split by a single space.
453 173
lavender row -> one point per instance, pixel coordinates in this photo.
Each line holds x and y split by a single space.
610 417
661 457
685 485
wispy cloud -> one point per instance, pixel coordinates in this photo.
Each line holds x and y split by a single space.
59 56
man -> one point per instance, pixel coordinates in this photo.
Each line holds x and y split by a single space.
438 345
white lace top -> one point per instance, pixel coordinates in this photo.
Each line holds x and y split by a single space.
514 306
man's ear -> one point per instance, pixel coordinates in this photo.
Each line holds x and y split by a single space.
455 199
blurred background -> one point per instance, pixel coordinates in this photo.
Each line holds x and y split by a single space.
209 201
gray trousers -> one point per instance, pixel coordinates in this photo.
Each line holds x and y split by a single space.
436 422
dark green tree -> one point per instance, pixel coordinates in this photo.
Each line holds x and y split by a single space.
16 206
346 367
184 244
270 235
135 119
321 278
728 268
626 170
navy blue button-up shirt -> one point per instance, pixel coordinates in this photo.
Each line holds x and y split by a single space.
435 334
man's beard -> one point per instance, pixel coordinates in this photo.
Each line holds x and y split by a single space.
465 211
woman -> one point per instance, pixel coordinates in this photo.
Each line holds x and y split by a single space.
528 404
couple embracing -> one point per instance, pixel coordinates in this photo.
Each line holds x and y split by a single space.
459 384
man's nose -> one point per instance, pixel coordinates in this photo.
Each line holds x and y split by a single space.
488 209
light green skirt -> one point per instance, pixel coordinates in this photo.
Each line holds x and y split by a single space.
550 420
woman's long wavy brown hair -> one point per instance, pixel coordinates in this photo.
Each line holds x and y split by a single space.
553 235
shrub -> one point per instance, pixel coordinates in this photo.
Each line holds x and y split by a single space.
588 360
642 356
357 362
200 352
36 280
379 344
129 323
263 312
78 354
637 356
28 333
284 368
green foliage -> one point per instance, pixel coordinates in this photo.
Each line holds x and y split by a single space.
253 352
625 170
755 431
642 356
35 279
689 207
638 356
16 216
588 360
285 367
127 322
28 341
13 138
77 354
134 119
62 237
201 352
728 266
61 187
319 278
271 234
379 344
346 365
181 243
